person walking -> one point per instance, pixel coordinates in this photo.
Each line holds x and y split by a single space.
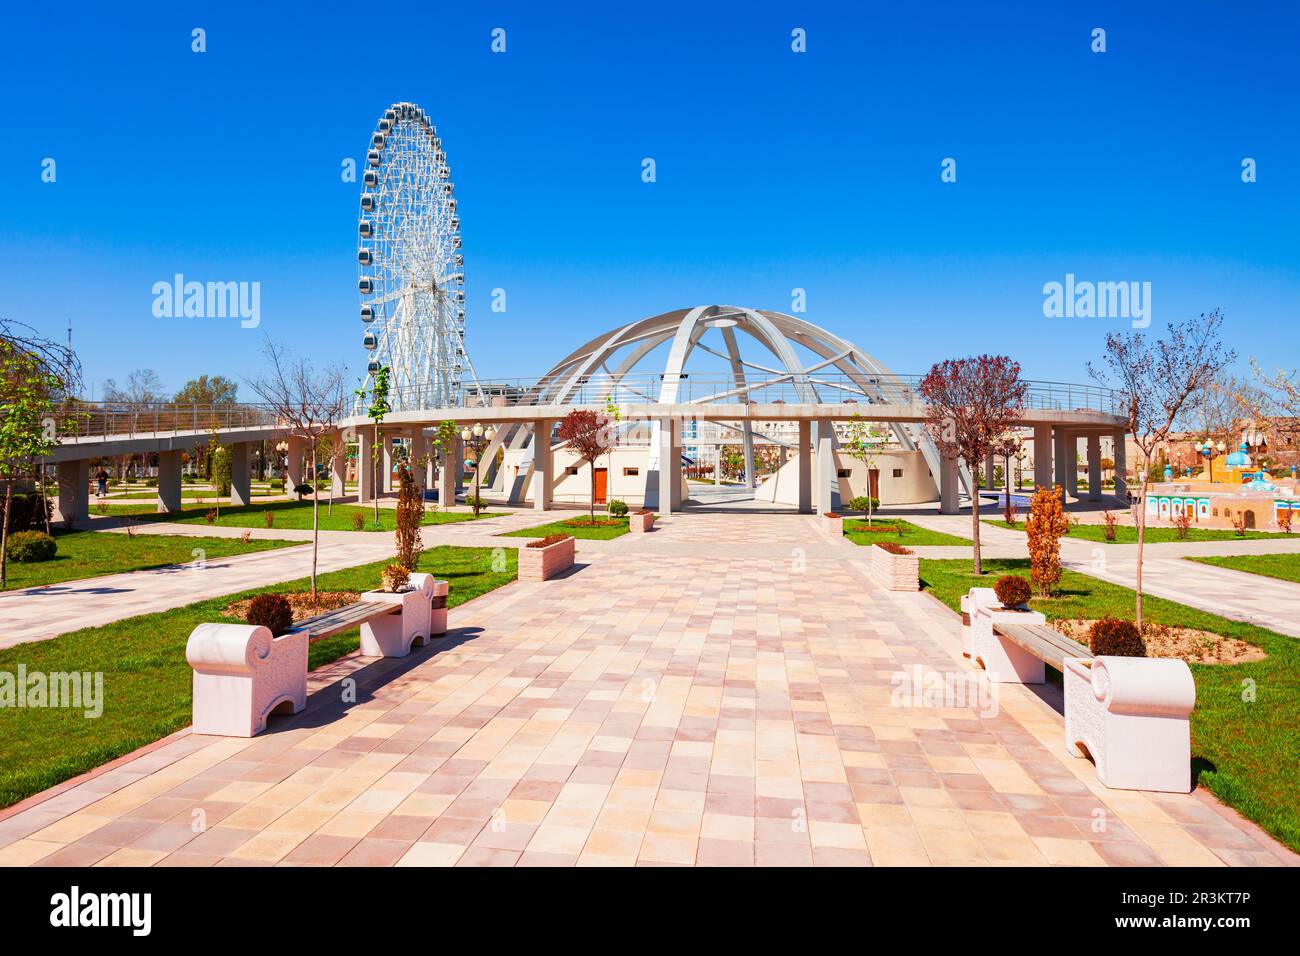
101 483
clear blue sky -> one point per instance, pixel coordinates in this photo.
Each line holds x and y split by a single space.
775 170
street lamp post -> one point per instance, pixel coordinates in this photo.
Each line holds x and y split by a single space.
1210 451
477 439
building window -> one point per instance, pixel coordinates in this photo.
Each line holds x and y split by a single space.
845 472
631 472
898 473
571 470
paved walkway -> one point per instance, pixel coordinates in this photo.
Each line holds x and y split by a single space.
40 613
705 694
1254 598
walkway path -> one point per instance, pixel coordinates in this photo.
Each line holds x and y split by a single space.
39 613
706 694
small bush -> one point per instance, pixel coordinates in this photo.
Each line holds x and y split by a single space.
28 547
549 540
395 577
268 518
864 503
358 521
478 504
28 512
1115 638
246 537
304 489
271 611
1109 521
210 516
1012 590
617 508
893 547
1182 523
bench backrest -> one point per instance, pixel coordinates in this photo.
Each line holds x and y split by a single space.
1048 645
345 618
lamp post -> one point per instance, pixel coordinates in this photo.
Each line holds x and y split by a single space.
477 439
282 448
1210 451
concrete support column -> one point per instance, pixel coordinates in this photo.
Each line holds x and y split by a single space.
339 470
670 467
1094 467
1042 456
449 483
805 467
949 486
419 447
74 491
365 467
988 471
386 465
1121 465
717 465
293 463
241 492
748 436
169 481
543 466
828 481
1061 460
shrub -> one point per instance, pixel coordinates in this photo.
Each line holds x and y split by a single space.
271 611
246 537
1044 527
410 515
27 514
210 516
303 489
1109 521
1012 590
549 540
1182 522
27 547
1115 638
617 508
476 503
1284 520
358 521
395 577
268 518
864 503
893 547
1239 523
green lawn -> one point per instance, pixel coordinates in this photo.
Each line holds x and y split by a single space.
1284 566
1246 752
1154 535
147 681
87 554
289 514
888 529
562 527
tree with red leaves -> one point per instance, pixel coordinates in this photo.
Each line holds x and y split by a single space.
971 404
589 434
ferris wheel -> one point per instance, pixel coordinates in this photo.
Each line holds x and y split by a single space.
411 271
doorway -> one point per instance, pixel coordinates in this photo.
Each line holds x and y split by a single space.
602 485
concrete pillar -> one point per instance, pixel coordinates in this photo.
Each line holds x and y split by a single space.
1042 456
1094 467
988 471
1121 466
386 465
419 448
365 467
805 467
748 438
339 470
828 481
74 491
449 483
949 486
1061 460
670 467
293 463
169 481
543 466
717 464
240 489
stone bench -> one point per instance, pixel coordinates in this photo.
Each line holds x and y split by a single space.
242 674
1131 715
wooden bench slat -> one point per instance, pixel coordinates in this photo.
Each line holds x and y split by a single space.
1048 645
345 618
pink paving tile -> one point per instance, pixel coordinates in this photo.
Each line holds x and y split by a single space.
321 849
487 856
782 854
370 852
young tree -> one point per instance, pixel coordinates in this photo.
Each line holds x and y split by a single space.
861 444
410 515
379 392
1155 379
308 403
26 424
1043 529
207 390
331 445
1009 448
970 404
590 435
441 441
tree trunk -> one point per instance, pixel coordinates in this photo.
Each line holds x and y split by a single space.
4 533
315 530
592 511
45 504
976 567
374 472
1142 533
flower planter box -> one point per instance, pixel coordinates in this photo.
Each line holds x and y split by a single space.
833 525
975 597
641 521
394 635
541 564
895 572
1131 715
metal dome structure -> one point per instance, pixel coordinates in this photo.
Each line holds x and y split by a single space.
808 364
411 269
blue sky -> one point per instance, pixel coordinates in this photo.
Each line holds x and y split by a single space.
775 170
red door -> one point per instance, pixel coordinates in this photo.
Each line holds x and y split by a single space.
602 485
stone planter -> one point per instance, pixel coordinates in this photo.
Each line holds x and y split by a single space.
1131 715
393 635
833 525
541 564
1005 662
975 597
641 521
895 572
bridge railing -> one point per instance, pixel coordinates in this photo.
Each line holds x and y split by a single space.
127 419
